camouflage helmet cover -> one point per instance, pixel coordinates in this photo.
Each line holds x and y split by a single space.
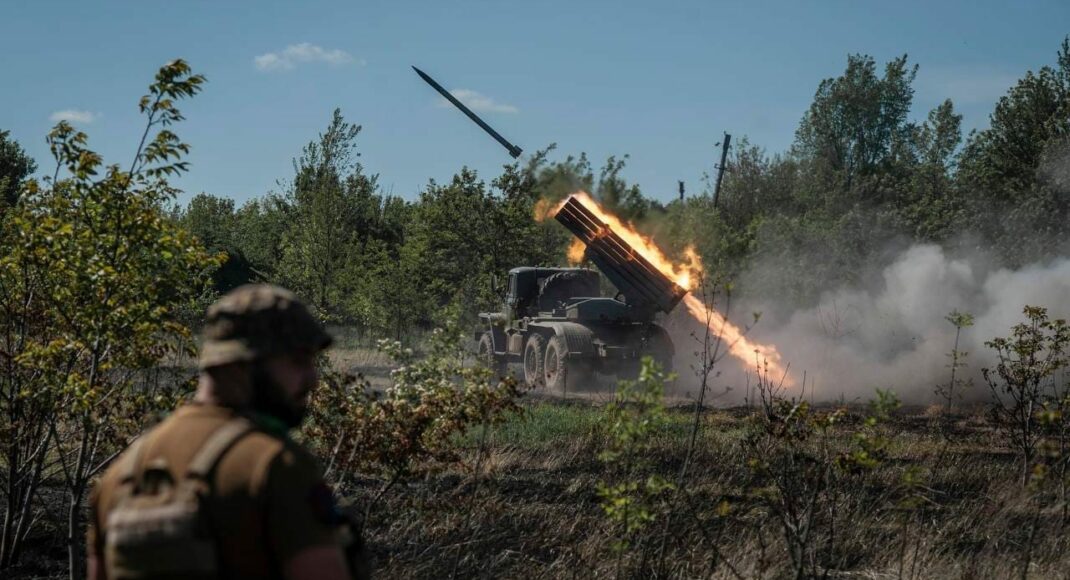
258 320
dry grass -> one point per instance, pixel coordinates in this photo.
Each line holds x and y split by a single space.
533 511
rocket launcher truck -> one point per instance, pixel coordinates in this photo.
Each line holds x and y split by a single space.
555 320
558 325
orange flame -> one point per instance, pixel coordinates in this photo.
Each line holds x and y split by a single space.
738 346
575 251
686 274
545 208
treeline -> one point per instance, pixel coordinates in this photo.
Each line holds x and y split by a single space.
862 177
379 262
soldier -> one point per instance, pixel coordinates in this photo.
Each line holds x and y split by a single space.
218 490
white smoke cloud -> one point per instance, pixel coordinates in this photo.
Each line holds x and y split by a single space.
478 102
895 334
296 54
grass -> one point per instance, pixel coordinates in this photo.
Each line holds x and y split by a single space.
543 424
532 512
547 423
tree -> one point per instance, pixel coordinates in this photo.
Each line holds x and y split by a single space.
625 200
330 198
386 300
757 185
1020 208
213 221
106 273
25 412
1025 377
15 167
523 239
854 126
932 206
259 228
451 236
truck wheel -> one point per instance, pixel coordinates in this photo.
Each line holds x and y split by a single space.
533 361
485 355
563 373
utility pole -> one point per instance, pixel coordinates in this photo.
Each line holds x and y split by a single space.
720 168
681 186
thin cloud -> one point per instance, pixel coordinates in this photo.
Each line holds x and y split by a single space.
74 116
478 102
295 54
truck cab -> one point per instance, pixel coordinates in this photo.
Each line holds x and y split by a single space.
533 291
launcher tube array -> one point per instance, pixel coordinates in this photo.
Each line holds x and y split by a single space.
629 271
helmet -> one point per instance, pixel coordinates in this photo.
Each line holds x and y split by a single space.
256 321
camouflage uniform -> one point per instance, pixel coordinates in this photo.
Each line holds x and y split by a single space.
263 495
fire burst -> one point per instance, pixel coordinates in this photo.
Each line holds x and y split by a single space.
687 274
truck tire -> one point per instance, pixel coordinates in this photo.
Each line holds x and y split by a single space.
564 373
534 353
485 355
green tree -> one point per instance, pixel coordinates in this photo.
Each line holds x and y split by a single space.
757 185
1024 377
636 497
115 272
389 301
15 167
25 411
1018 206
932 207
954 387
555 181
213 221
330 199
856 125
625 200
259 227
839 197
451 235
523 237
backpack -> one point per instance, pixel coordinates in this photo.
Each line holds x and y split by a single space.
159 528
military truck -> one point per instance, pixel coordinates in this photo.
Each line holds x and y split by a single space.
556 322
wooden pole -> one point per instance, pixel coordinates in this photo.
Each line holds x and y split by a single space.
720 168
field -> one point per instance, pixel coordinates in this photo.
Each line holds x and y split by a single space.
778 490
532 509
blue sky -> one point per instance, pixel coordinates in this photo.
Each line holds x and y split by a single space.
659 81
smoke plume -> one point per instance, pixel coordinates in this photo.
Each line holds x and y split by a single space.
894 333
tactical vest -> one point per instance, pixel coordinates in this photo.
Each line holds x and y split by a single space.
159 527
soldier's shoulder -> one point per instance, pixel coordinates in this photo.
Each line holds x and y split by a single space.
261 455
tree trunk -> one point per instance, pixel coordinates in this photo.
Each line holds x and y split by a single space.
9 524
23 521
74 540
